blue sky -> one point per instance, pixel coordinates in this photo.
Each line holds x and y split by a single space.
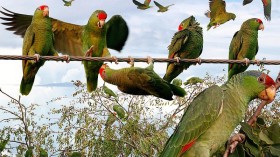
150 34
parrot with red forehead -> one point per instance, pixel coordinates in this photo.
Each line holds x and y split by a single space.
186 43
92 39
244 45
38 40
140 81
266 7
213 115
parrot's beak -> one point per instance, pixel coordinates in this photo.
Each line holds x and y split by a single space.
46 12
268 94
101 23
261 27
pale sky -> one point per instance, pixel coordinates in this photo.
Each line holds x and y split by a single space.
150 34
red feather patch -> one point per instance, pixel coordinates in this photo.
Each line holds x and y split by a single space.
269 81
265 2
187 146
42 7
102 16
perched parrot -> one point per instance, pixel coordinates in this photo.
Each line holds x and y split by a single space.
244 45
43 153
108 91
214 114
218 14
193 80
266 7
67 3
186 43
141 6
140 81
38 39
162 8
92 39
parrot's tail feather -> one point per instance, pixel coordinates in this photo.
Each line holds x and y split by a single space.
26 85
208 27
167 78
92 82
178 91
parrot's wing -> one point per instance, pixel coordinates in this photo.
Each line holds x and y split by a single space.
18 23
199 116
137 3
179 39
147 2
67 36
267 9
158 5
28 41
217 7
235 46
247 2
117 32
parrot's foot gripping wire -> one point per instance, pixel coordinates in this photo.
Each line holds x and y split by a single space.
247 61
177 60
150 60
37 57
233 142
131 61
115 59
198 60
258 62
66 58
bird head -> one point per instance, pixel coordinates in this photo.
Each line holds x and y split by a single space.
270 88
43 9
186 23
253 23
102 71
98 18
232 16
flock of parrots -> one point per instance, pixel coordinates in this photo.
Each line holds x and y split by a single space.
214 113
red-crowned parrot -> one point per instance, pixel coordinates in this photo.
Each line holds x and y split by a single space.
218 14
96 37
140 81
186 43
141 6
38 39
214 114
266 7
162 8
244 45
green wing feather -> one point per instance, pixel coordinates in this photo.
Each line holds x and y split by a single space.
247 2
117 33
199 116
27 43
137 3
159 5
178 40
235 47
217 7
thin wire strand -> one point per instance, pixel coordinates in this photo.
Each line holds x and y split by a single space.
109 59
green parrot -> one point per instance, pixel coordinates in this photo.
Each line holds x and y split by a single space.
186 43
193 80
38 39
92 39
120 111
141 6
108 91
244 45
162 8
43 153
140 81
67 3
218 14
213 115
266 7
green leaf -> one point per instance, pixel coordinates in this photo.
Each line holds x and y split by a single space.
275 149
252 149
239 151
274 132
265 138
248 131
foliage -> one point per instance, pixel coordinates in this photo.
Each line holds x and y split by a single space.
93 124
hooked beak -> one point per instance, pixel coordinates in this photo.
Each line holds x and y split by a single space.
261 27
46 12
268 94
100 23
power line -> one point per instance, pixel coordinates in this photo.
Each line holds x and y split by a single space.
109 59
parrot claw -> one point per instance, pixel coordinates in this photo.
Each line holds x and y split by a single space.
115 59
258 62
247 61
198 60
233 142
66 58
131 61
89 51
150 60
177 60
37 58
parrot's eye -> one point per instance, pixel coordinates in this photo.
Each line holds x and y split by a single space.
261 79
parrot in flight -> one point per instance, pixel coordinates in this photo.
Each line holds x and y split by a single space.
244 45
218 14
38 40
92 39
141 6
162 8
213 115
266 7
186 43
140 81
67 3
